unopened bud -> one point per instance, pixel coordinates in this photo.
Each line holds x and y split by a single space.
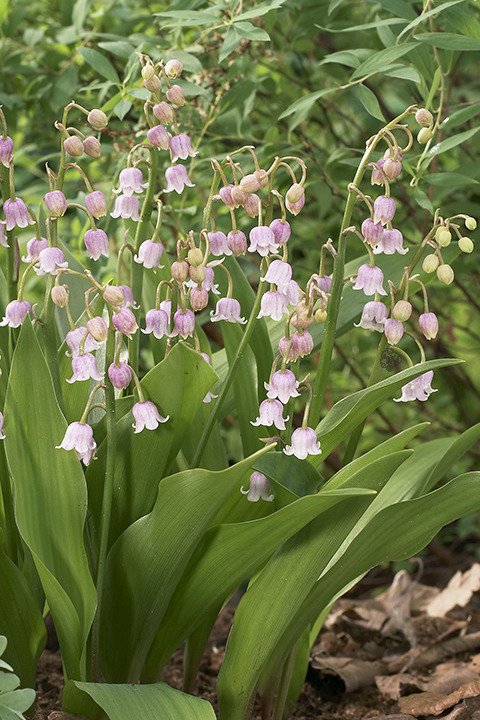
262 177
97 327
249 183
163 112
113 296
97 119
302 318
59 295
465 244
430 263
153 84
198 299
402 310
195 257
73 146
92 147
393 330
295 193
470 223
443 236
424 135
238 196
175 95
197 273
179 270
173 68
252 205
445 274
424 118
148 71
320 315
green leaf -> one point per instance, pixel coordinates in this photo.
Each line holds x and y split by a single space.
299 478
425 15
449 41
13 704
306 102
249 31
119 48
100 63
451 180
369 101
452 142
380 60
188 18
365 26
461 116
342 57
50 497
122 108
231 42
146 702
260 10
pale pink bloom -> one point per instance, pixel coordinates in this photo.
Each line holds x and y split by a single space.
390 242
279 273
374 314
428 323
149 254
120 375
84 368
393 330
283 385
163 112
146 415
297 346
96 204
237 242
262 240
418 389
79 437
183 323
15 313
292 292
281 231
369 279
181 147
56 202
295 207
127 206
49 261
372 232
208 282
34 248
274 304
128 299
271 413
131 181
74 339
177 178
251 204
159 136
322 283
259 488
125 322
218 245
156 322
383 209
198 298
225 195
96 242
16 214
303 443
227 309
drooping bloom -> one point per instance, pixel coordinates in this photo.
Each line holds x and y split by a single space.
146 415
149 254
390 242
218 243
262 240
270 413
274 304
2 434
225 195
120 375
374 314
369 279
127 206
393 330
96 242
79 437
428 323
127 294
56 202
418 389
227 309
75 338
16 213
84 368
157 323
279 273
130 181
177 178
283 385
297 346
383 209
163 112
295 198
159 136
34 248
281 231
96 204
49 261
372 232
198 298
6 150
15 313
181 147
237 242
183 323
251 203
259 488
303 443
125 322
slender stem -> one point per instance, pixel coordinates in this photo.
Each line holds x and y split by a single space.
326 352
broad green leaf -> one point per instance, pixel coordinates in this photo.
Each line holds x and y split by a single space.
187 18
451 180
231 42
450 41
250 32
119 48
185 506
380 60
296 476
342 57
369 101
365 26
122 108
50 497
306 102
429 13
13 704
460 116
100 64
259 10
125 702
451 142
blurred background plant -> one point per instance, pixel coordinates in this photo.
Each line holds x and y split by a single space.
308 77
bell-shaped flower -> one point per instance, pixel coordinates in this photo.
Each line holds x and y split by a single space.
3 237
218 243
49 261
177 178
181 147
227 309
183 323
393 330
96 242
16 214
84 368
131 181
79 437
303 443
279 273
383 209
120 375
15 313
298 345
96 204
274 304
149 254
74 339
418 389
271 413
281 231
370 280
374 314
125 321
372 232
34 248
390 242
237 242
262 241
127 206
259 488
159 136
156 322
428 323
56 202
6 150
146 415
283 385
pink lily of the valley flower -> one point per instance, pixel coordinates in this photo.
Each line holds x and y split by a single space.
146 415
183 323
157 323
15 313
96 242
259 488
3 237
131 181
303 443
177 179
283 385
84 368
274 304
16 214
79 437
370 280
227 309
50 260
96 204
383 209
418 389
6 150
125 322
271 413
391 241
127 206
74 339
281 231
262 241
149 254
428 324
218 243
374 314
279 273
120 375
297 346
181 147
34 248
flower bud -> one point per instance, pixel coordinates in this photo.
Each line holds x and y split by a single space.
120 375
320 315
113 295
92 147
179 270
59 295
125 322
237 242
262 177
295 193
159 136
428 323
73 146
392 168
148 71
430 263
249 183
195 257
153 84
96 204
163 112
393 330
302 318
445 274
465 244
97 327
197 273
251 205
175 95
97 119
238 196
470 223
424 118
402 310
443 236
56 202
173 68
198 299
424 135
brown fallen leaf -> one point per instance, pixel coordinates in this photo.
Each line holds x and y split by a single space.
426 657
449 676
394 686
350 673
458 592
391 717
428 703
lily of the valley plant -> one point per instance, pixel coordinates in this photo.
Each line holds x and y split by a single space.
127 513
